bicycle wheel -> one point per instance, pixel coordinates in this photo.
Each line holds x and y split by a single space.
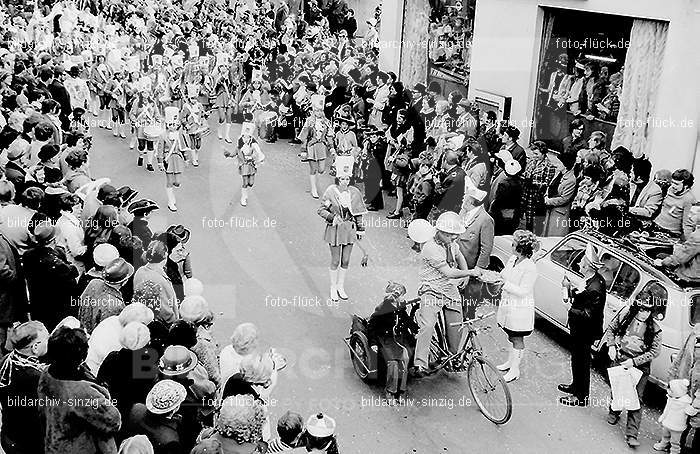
489 390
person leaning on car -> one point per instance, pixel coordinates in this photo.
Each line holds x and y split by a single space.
585 326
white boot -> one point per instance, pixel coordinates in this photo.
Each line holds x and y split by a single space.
102 119
341 283
314 191
219 132
122 130
132 143
195 157
227 132
514 372
244 196
334 284
505 366
171 199
115 129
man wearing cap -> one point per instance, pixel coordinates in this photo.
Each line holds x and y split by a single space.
102 297
374 154
441 264
475 244
504 201
51 279
20 371
449 185
585 325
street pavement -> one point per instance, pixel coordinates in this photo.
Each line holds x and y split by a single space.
267 264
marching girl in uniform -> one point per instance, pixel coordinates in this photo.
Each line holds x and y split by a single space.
317 141
147 127
256 100
100 76
117 94
225 97
172 159
249 158
194 122
175 88
342 208
346 140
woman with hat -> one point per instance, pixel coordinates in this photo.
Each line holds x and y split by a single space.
48 169
224 90
154 271
195 310
159 419
538 175
71 235
178 266
317 141
193 117
130 372
100 75
319 434
506 191
373 156
142 210
116 90
634 340
249 158
145 125
345 139
102 298
342 207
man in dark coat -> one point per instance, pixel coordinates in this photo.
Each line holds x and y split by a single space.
20 371
350 24
586 327
60 94
449 188
13 296
51 278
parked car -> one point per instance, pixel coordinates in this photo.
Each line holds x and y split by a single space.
628 270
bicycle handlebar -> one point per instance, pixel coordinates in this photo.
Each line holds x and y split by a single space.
481 317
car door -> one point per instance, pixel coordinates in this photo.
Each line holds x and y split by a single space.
621 280
562 260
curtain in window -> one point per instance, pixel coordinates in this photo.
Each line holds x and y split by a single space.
642 72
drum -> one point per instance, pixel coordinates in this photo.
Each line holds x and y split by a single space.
153 131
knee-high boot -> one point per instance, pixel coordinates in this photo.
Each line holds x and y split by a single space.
514 371
334 284
341 283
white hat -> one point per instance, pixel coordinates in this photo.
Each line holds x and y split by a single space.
165 396
320 425
512 167
134 336
455 142
104 254
504 155
194 309
592 256
192 90
420 230
247 128
171 114
318 102
450 222
476 193
678 387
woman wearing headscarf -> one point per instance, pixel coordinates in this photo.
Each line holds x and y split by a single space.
319 435
239 426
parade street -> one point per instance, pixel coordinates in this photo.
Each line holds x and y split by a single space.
267 264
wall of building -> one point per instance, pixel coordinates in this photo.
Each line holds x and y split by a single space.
506 51
414 52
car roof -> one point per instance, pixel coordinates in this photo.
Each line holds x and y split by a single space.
629 251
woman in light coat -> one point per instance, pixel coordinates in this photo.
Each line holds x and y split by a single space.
516 312
154 271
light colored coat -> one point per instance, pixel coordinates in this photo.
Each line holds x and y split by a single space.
169 307
517 309
476 243
649 201
556 222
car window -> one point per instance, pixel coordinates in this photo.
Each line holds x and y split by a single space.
609 270
569 253
625 282
695 310
659 298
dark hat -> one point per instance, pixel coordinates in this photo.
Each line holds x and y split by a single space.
142 206
24 334
371 130
118 271
48 151
126 195
344 118
180 232
105 191
177 360
44 233
74 71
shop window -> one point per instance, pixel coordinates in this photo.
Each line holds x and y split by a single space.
580 76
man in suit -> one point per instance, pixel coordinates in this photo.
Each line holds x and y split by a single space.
509 137
475 244
648 201
585 326
449 187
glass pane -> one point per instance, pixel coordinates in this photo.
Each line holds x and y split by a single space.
611 266
626 281
695 310
569 254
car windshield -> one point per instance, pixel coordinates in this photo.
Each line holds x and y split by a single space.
695 309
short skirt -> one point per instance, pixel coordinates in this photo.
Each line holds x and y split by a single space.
175 163
341 234
247 169
317 152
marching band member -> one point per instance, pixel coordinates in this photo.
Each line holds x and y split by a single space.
117 103
250 157
317 141
342 207
256 100
346 140
99 78
194 121
148 129
172 159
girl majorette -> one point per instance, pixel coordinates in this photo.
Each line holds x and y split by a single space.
318 140
249 158
194 122
342 208
173 158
